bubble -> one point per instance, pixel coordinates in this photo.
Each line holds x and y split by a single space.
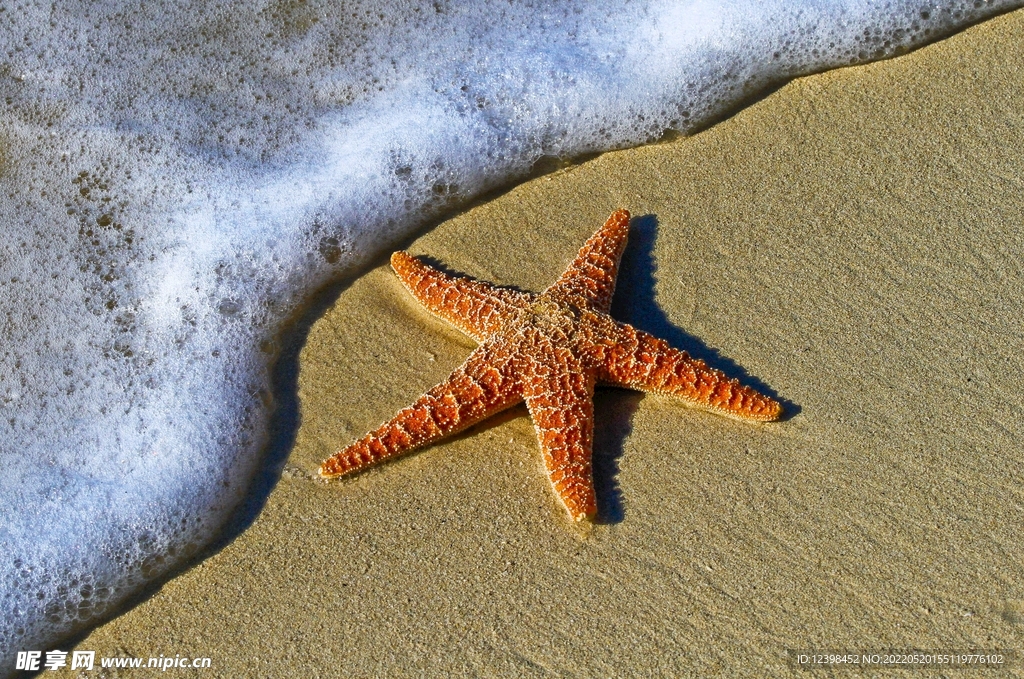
229 307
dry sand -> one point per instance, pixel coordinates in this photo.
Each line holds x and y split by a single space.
852 243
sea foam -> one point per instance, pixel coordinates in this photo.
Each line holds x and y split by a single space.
176 178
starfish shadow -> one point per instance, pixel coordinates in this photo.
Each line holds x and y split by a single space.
634 303
613 421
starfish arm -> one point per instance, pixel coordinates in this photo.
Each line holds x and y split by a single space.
482 386
641 361
590 278
474 307
561 404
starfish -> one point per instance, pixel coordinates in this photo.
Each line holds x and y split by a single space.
548 349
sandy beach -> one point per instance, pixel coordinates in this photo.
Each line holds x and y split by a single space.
851 244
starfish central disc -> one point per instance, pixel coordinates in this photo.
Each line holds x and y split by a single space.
549 350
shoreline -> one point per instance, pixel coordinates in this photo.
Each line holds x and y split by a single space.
819 243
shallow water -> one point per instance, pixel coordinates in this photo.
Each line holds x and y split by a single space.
176 179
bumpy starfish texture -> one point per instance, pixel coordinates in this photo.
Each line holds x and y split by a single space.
548 350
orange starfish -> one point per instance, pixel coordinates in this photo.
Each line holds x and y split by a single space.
548 350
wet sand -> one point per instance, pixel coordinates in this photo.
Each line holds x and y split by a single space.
851 244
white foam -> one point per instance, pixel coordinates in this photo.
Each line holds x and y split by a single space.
176 177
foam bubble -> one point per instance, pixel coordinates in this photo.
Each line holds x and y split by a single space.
176 177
